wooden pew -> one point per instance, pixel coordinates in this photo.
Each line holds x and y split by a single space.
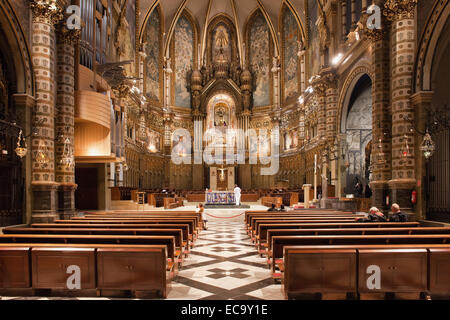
252 218
195 219
303 216
353 231
249 213
180 244
187 233
258 221
279 242
30 268
191 223
347 270
252 215
168 241
262 228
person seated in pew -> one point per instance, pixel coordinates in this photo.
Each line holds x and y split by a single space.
200 209
282 208
272 208
374 215
397 215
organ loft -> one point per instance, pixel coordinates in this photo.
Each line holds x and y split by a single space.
264 118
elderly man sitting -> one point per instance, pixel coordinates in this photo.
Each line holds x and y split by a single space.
374 215
397 215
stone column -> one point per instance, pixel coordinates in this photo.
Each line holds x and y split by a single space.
24 104
167 149
403 50
331 97
381 115
344 19
64 119
197 167
320 91
44 203
306 188
354 21
421 100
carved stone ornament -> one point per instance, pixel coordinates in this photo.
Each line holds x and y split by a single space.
48 10
399 9
375 35
68 36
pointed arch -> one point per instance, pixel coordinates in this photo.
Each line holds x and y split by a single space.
226 21
18 48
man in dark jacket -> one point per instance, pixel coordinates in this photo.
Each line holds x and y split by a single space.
397 215
374 215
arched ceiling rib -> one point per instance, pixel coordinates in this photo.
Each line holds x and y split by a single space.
203 11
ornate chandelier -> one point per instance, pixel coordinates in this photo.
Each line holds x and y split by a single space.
67 157
41 155
21 149
427 146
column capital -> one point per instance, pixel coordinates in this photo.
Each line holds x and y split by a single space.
23 99
422 97
66 35
329 78
374 35
399 9
48 10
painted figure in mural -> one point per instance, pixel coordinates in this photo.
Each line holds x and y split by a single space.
124 39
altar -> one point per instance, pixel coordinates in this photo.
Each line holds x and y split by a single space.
220 197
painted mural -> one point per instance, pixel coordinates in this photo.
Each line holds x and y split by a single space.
184 59
152 50
125 35
221 39
314 56
290 140
259 56
290 38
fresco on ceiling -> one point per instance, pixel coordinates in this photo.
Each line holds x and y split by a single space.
221 39
290 38
314 56
152 50
184 59
259 59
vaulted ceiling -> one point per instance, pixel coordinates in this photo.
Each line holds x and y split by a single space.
237 10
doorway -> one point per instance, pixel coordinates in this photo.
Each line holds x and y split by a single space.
86 195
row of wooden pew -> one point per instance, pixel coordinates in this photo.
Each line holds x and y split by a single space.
100 254
326 253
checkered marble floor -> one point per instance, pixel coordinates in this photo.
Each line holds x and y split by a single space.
223 265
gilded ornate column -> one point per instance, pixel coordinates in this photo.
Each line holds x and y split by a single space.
401 13
64 120
45 15
381 115
320 90
167 119
197 167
